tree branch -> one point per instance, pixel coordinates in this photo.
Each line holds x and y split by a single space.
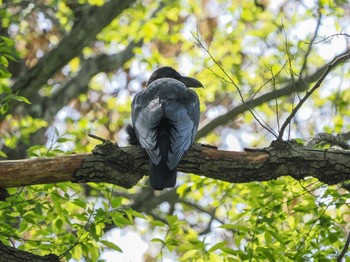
329 68
69 47
127 165
329 138
15 255
308 51
290 88
345 249
79 83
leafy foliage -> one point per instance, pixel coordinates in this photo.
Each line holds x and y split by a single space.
263 53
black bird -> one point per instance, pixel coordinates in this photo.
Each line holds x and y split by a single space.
165 119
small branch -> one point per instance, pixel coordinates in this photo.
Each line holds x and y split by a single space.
288 89
231 81
311 43
310 92
98 138
346 135
311 227
328 38
345 249
329 138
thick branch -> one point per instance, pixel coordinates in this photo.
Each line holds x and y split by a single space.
15 255
80 36
126 166
79 83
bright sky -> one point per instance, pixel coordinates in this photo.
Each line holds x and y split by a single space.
130 242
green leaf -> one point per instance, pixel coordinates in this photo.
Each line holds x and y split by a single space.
111 245
58 224
56 201
215 258
5 89
119 220
131 212
30 219
3 109
197 243
10 57
77 252
4 61
79 202
2 154
21 99
157 240
276 236
189 255
116 202
157 223
227 226
266 252
217 246
4 73
229 250
63 140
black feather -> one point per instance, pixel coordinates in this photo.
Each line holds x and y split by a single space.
132 138
161 176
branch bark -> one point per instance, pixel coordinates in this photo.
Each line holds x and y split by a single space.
15 255
125 166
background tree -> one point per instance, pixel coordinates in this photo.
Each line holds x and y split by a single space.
69 68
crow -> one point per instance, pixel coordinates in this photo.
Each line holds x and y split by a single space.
165 118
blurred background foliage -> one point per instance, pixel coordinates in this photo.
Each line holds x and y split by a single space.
266 53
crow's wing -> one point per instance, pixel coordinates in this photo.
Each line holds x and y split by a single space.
146 116
193 110
180 131
183 115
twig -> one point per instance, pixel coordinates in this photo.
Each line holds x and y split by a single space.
98 138
231 81
346 135
79 239
329 138
345 248
311 43
328 38
276 102
310 92
311 227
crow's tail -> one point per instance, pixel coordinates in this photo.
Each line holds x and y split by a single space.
160 175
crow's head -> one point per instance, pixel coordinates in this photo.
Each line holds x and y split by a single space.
169 72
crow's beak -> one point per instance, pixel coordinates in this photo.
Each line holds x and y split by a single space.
191 82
